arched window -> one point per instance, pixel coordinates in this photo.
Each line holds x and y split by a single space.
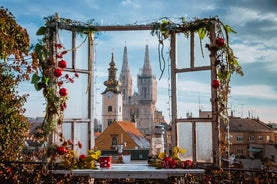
110 108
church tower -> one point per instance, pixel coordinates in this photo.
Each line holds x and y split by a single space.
125 79
147 96
111 98
147 84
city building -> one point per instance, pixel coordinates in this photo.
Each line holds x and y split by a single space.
140 105
250 137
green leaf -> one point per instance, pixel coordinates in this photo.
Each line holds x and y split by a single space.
45 80
41 31
35 79
202 32
229 29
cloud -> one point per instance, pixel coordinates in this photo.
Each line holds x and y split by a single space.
259 91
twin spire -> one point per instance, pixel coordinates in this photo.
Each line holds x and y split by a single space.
112 84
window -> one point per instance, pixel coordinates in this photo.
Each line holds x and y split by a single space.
114 141
251 138
144 92
110 108
110 121
261 138
239 151
240 138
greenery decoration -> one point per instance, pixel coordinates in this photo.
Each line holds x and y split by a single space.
49 65
226 61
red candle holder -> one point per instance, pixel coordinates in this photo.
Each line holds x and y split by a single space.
105 161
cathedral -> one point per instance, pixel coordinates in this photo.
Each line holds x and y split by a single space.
120 103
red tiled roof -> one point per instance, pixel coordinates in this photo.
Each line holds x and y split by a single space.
247 125
134 133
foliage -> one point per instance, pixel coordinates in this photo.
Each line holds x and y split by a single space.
14 41
69 158
171 161
13 124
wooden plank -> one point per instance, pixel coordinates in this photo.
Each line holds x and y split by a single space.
135 171
192 69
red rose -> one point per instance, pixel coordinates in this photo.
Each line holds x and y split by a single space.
172 164
63 92
58 72
82 157
215 83
62 64
61 150
167 159
220 42
187 164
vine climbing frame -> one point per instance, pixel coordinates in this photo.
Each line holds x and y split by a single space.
222 64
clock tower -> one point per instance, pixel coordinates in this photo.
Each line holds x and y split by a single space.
111 98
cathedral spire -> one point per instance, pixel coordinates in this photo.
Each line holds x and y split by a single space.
125 65
112 83
147 70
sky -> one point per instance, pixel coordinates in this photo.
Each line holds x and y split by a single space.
252 95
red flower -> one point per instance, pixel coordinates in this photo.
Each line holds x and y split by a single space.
187 164
66 76
76 74
71 80
80 144
82 157
61 150
220 42
62 64
172 164
63 92
58 72
63 106
215 83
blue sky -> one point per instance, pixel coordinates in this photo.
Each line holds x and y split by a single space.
254 94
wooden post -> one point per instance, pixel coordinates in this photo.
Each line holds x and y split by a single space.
214 101
173 89
91 107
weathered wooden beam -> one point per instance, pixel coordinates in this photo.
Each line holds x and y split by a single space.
192 69
124 28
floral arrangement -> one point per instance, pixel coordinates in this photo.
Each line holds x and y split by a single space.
68 158
171 162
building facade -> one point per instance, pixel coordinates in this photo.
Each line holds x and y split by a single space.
140 105
111 98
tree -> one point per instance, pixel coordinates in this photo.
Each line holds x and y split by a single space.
14 68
